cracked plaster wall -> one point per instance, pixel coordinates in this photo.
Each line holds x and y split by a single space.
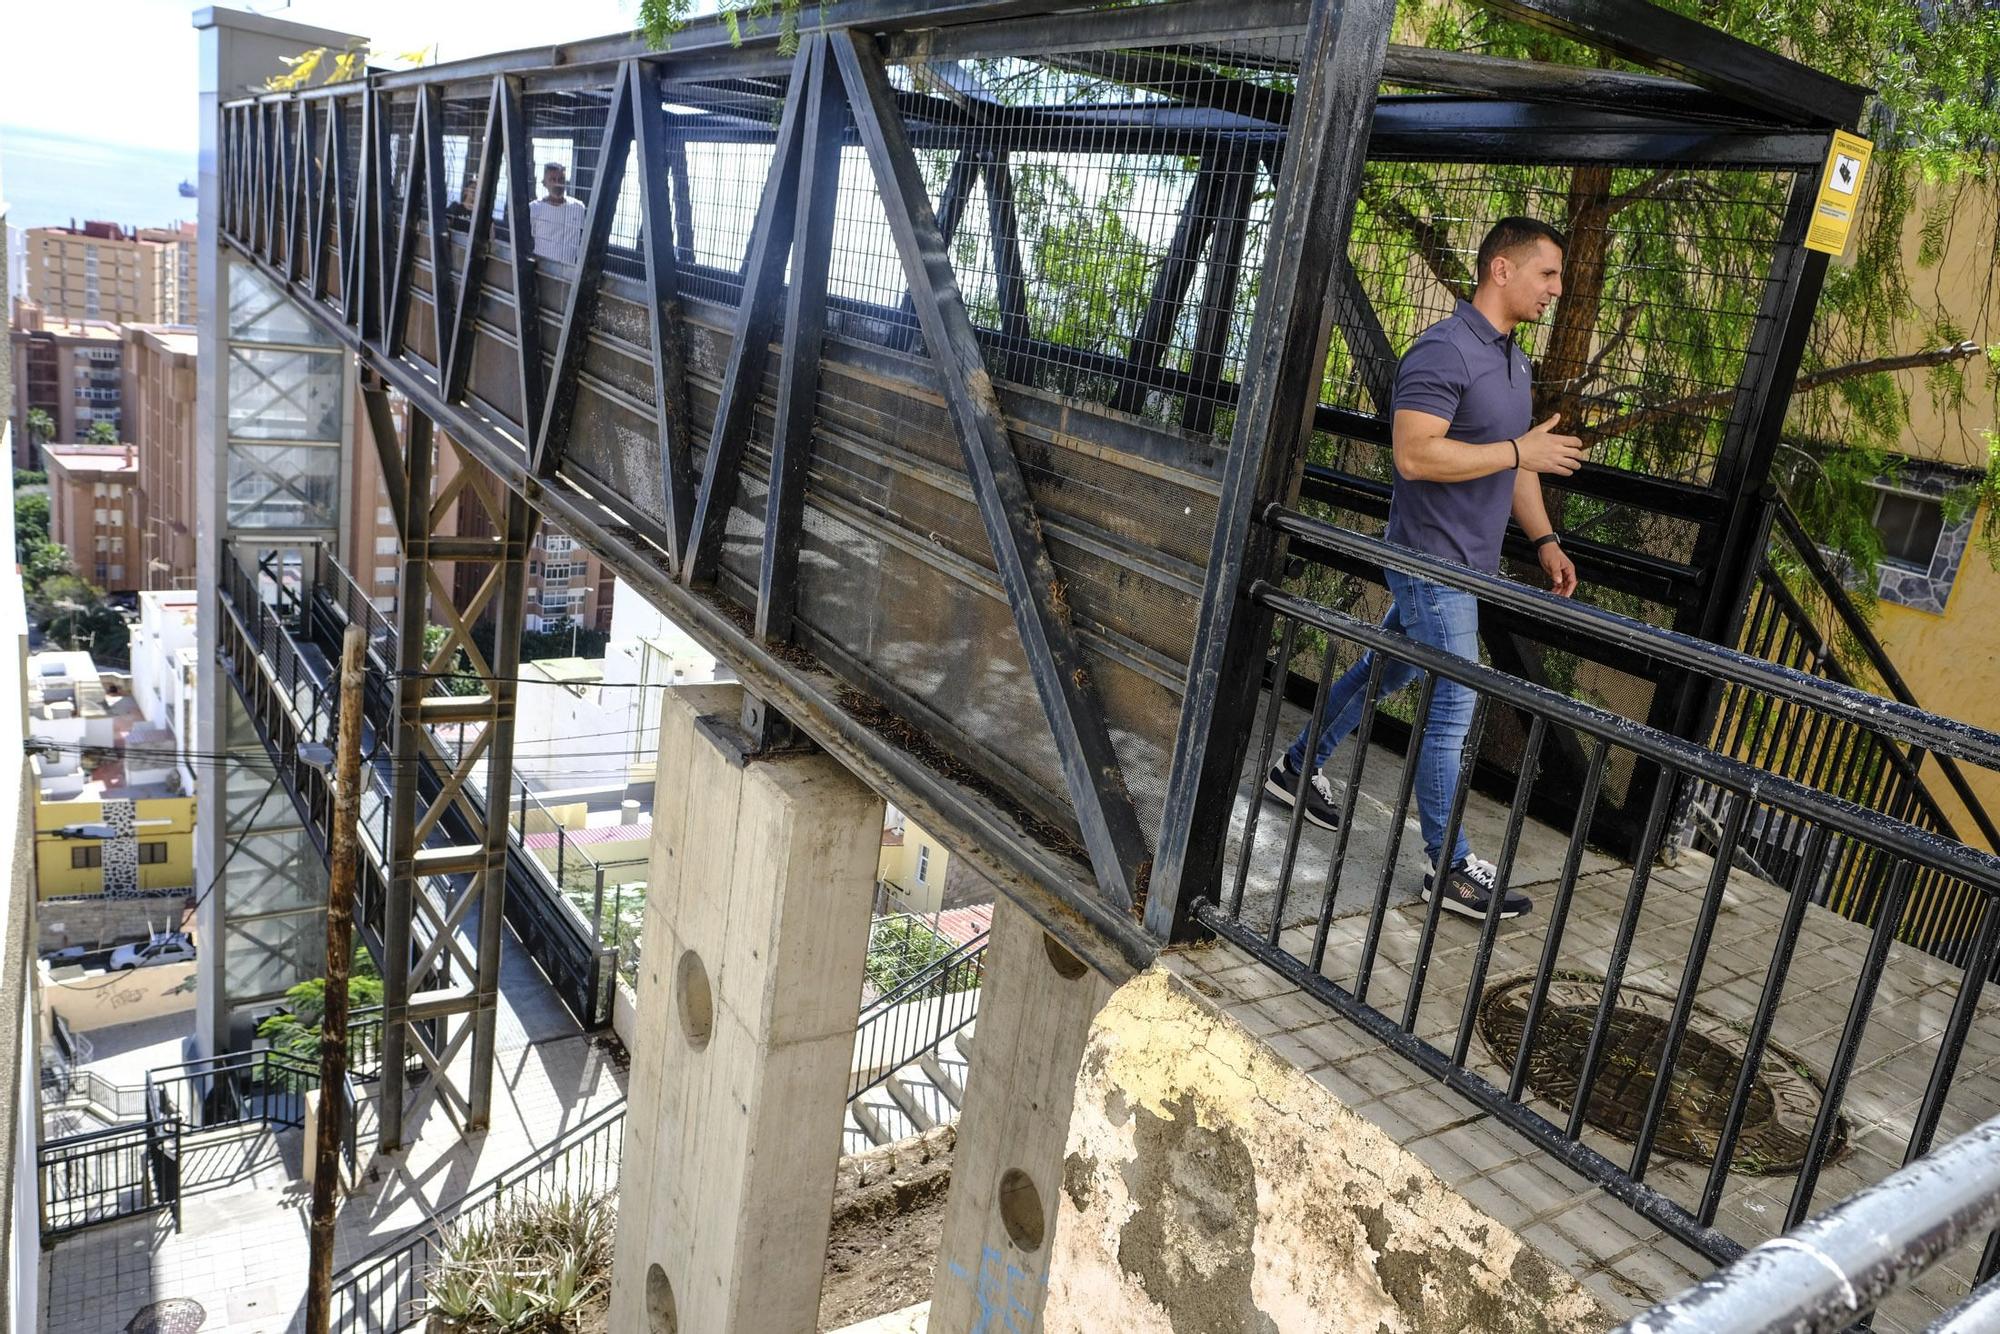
1211 1186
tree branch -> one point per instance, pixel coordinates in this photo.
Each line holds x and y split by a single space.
1431 242
1819 379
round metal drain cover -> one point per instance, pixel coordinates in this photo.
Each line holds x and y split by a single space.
1784 1098
175 1315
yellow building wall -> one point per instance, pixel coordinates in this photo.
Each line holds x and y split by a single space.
898 869
55 877
1952 664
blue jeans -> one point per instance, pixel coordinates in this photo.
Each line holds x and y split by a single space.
1443 618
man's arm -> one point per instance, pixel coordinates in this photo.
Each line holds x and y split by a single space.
1424 453
1531 511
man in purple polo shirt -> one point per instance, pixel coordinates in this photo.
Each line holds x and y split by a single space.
1467 455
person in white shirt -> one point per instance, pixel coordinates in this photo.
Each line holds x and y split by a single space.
557 220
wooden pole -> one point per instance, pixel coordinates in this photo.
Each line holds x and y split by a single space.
339 952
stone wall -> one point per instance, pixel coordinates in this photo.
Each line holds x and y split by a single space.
95 921
1209 1185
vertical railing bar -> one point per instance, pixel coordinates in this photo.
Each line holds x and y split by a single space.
1951 1046
1371 692
1760 1024
1427 941
1503 874
1250 817
1586 810
1697 959
1282 890
1621 948
1365 969
1850 1042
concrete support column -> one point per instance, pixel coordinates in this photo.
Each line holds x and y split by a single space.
756 930
1035 1010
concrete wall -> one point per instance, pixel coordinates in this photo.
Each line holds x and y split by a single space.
122 998
1210 1186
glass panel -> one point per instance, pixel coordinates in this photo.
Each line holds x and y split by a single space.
263 958
1910 527
283 486
277 394
260 313
273 872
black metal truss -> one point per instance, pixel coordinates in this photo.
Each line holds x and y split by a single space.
1725 104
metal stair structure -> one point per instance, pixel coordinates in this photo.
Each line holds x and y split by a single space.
919 1096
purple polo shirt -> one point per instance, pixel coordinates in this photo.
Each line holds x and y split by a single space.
1472 375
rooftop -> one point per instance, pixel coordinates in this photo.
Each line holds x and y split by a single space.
93 458
179 339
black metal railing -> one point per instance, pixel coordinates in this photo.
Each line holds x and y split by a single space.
917 1017
383 1290
1800 616
105 1175
1355 939
900 946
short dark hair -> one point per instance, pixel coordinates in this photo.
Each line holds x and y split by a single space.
1510 234
548 167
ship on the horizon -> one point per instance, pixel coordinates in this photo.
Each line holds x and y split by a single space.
187 190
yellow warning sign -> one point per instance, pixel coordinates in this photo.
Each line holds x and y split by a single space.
1839 193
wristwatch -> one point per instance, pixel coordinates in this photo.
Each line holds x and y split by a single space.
1545 539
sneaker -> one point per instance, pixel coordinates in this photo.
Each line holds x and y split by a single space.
1469 888
1320 810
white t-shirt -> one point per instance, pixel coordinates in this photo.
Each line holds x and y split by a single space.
558 230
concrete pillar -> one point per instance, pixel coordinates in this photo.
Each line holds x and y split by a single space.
1035 1010
756 929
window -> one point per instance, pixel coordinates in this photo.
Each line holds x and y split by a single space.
385 546
90 854
385 574
1910 527
923 863
152 854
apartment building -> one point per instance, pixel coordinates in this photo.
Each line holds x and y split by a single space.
158 409
182 293
102 271
94 511
70 369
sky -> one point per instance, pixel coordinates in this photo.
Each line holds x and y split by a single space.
123 71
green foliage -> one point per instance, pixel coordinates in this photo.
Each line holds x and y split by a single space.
31 524
295 1030
72 611
899 948
41 427
28 477
102 433
462 680
660 21
1982 497
531 1264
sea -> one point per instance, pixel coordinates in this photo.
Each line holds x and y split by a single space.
49 179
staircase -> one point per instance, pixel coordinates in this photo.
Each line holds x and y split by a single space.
913 1052
922 1095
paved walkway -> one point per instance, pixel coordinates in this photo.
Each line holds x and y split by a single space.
241 1250
1625 1261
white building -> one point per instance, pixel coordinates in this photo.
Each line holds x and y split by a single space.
165 669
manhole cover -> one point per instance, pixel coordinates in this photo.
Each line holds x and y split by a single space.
1784 1100
175 1315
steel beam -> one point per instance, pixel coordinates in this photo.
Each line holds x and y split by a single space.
805 329
1091 769
520 252
551 434
663 213
750 344
1326 149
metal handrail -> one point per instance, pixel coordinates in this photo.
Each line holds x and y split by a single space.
955 975
393 1272
1906 722
1842 1264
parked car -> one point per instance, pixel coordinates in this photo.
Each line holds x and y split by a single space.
164 947
67 954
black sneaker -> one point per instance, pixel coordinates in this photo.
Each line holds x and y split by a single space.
1469 888
1320 810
